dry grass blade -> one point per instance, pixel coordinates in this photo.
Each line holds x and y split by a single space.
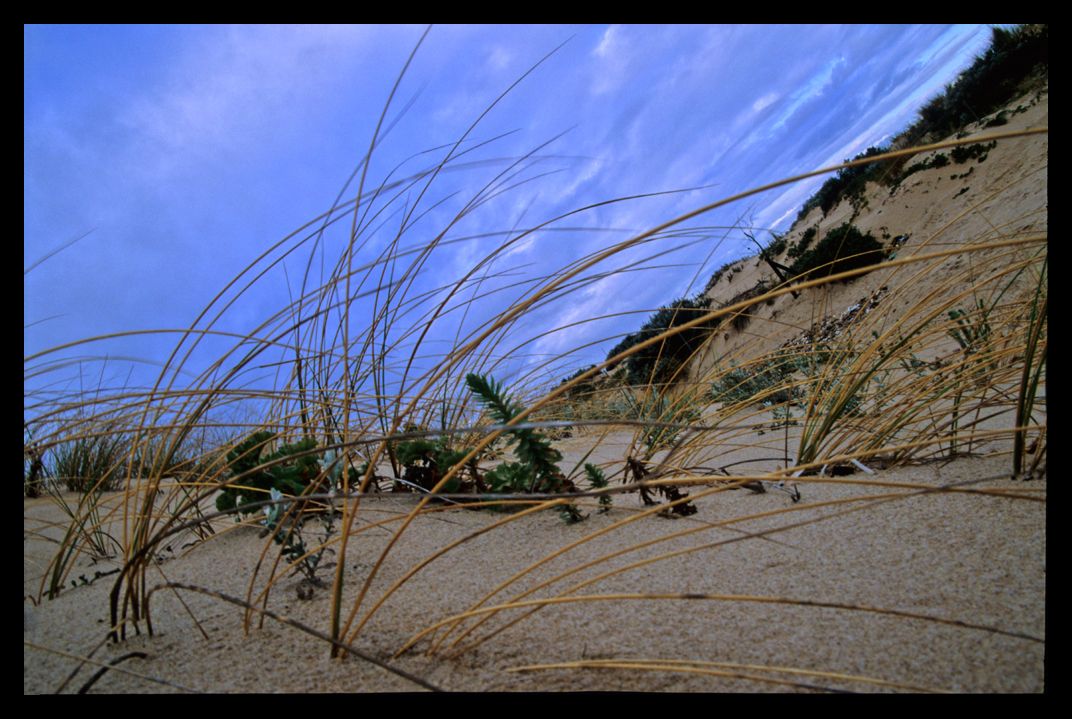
110 665
298 625
284 445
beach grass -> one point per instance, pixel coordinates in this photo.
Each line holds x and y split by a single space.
360 367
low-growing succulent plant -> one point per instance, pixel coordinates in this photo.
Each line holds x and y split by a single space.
290 469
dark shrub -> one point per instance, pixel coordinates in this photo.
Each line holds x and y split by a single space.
843 248
777 245
970 152
803 244
741 318
1014 56
717 275
848 182
661 361
581 388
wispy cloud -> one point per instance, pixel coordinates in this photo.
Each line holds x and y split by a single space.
236 135
228 93
612 61
764 102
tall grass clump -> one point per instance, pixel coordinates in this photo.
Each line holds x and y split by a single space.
89 464
379 380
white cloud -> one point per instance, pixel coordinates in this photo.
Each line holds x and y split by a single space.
813 87
230 85
608 42
611 62
764 102
499 58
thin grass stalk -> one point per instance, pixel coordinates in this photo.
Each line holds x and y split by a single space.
87 660
300 626
871 500
690 596
377 377
1031 375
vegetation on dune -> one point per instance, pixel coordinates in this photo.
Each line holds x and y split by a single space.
994 78
841 249
661 363
364 372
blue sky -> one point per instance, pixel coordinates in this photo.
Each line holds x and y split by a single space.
186 151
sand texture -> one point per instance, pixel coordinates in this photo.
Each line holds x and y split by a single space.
873 582
969 568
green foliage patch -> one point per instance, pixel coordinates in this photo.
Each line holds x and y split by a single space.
995 78
801 245
292 468
660 363
842 248
93 463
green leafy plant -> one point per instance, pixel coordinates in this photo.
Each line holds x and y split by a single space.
536 470
290 469
598 480
800 246
768 382
287 528
841 249
425 462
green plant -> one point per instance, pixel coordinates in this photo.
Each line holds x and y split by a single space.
598 480
286 521
800 246
90 463
661 362
847 183
536 470
777 245
290 470
425 462
979 151
768 382
841 249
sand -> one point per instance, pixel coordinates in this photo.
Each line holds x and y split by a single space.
960 578
970 568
